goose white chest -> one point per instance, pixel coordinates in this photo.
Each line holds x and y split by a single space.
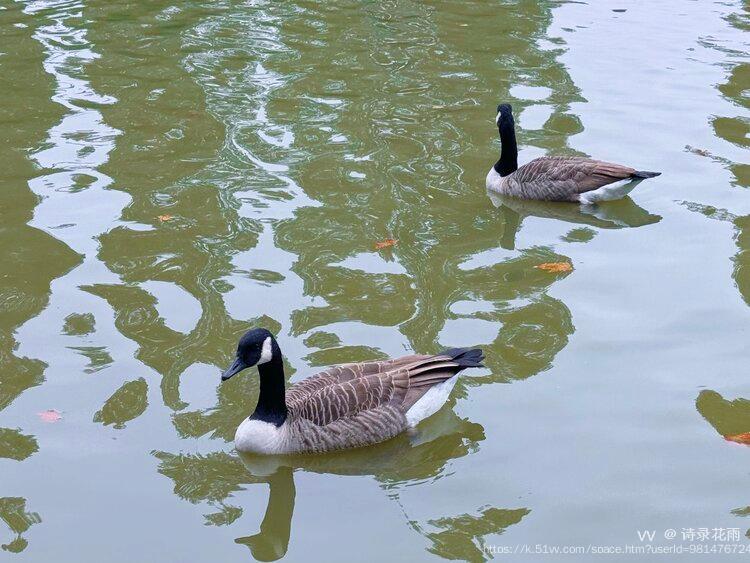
256 436
494 181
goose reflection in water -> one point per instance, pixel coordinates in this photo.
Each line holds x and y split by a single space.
272 541
407 460
620 214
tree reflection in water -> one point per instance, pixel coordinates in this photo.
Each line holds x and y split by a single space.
408 460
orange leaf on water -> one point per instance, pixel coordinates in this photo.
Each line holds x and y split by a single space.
50 415
555 267
743 438
163 218
385 243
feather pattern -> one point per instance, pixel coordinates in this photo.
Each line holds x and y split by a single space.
353 405
560 178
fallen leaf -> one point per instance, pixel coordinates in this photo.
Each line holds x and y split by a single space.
700 152
743 438
385 243
163 218
555 267
50 415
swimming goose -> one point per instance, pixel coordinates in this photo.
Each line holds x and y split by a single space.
345 406
557 178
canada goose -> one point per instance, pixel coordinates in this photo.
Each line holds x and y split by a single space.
557 178
345 406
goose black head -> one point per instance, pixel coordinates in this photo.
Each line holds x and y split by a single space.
257 346
504 113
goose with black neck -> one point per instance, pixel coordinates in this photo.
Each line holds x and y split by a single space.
557 178
347 405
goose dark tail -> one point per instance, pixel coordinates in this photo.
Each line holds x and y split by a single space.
644 174
465 357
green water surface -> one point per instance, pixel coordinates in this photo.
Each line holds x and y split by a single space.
175 173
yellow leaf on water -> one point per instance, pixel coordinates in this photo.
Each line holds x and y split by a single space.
163 218
555 267
385 243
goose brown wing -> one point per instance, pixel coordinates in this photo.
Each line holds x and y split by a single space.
345 372
398 389
349 398
564 178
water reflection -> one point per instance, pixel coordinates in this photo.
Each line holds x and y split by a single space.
181 226
202 171
248 238
33 258
75 205
403 172
731 419
624 213
37 257
13 512
16 445
238 227
126 404
462 537
414 459
735 128
272 541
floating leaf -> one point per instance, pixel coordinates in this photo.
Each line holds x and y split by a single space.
163 218
50 415
743 438
386 243
699 152
555 267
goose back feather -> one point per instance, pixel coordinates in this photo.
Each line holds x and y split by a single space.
561 178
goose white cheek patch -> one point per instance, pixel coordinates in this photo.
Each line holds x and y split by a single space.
266 352
497 118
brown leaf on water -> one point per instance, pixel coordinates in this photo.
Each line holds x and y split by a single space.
555 267
50 415
743 438
387 243
163 218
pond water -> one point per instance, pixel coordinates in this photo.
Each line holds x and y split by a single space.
174 173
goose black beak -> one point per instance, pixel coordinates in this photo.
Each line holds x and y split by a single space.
236 367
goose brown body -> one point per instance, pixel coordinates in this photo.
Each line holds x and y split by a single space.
562 178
